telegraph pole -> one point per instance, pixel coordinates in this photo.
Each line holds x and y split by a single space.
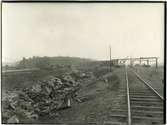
110 57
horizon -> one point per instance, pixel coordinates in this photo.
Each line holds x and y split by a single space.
11 63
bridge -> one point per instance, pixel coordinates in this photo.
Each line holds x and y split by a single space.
132 61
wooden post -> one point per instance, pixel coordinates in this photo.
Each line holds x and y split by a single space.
68 102
110 57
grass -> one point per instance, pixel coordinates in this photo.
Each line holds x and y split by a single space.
154 76
19 80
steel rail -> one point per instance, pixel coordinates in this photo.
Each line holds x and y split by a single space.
128 98
139 77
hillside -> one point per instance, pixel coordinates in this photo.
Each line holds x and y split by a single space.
48 62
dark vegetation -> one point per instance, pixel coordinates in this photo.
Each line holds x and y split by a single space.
56 66
49 62
113 80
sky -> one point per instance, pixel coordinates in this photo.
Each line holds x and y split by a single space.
82 30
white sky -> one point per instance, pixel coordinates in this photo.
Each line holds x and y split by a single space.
82 30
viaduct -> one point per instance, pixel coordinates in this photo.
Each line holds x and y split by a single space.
132 61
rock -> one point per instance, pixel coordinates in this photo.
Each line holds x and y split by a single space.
13 119
43 98
36 88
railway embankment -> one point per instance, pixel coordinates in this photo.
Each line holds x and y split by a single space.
145 104
153 76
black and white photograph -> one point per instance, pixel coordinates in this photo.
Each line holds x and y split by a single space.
83 63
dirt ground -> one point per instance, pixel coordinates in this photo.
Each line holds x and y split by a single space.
96 108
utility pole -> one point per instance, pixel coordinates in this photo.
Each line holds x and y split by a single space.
110 57
156 60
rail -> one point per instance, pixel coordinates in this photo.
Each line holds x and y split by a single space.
128 98
148 85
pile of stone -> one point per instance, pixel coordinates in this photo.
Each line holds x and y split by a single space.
43 98
80 76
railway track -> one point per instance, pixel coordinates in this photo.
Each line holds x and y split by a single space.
142 105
